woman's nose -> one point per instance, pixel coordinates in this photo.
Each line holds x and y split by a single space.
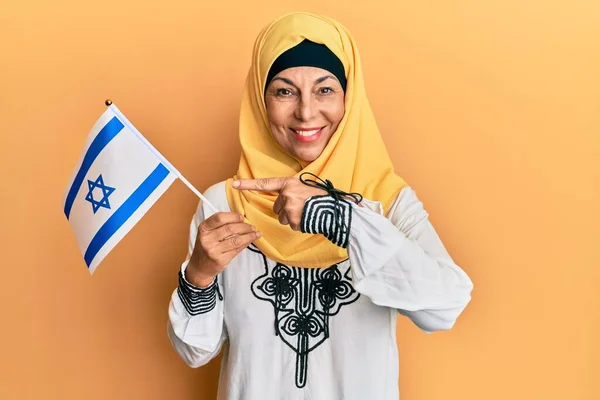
306 108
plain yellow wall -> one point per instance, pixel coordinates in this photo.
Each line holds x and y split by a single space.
490 109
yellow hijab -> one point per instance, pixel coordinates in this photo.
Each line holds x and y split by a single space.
354 160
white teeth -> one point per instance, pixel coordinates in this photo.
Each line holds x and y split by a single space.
307 133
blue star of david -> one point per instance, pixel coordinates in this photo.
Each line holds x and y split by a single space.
106 191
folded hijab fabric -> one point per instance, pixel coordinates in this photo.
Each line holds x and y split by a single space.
354 160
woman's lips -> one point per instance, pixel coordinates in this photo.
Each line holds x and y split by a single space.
307 134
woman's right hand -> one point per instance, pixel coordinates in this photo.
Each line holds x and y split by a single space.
220 238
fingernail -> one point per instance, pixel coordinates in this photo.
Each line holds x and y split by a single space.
258 234
235 184
253 229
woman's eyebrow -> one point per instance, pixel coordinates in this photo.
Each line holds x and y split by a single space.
286 80
323 78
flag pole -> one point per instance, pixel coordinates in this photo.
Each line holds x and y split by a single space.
170 166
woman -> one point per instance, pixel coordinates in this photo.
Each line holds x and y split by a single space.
318 244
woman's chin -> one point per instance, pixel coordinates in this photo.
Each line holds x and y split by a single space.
308 157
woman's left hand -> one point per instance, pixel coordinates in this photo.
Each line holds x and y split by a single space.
292 194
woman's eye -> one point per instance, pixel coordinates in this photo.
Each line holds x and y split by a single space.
283 92
326 90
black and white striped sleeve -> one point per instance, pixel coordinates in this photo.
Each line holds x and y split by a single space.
327 216
198 300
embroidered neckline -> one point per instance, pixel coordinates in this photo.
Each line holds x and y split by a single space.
304 300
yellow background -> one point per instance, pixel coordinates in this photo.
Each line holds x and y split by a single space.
490 110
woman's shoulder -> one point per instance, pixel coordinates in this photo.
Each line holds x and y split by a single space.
407 208
405 196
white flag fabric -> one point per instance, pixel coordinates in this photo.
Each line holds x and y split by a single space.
118 178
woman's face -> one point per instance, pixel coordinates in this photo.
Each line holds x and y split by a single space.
304 106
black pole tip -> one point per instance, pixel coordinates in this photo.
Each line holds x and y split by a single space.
108 102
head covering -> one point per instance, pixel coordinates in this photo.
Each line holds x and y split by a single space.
308 54
354 160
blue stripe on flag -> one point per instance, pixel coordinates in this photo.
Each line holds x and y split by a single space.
106 134
124 212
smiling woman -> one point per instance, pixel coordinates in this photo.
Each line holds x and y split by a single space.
304 108
305 99
305 277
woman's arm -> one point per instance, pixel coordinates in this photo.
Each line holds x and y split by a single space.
400 262
195 327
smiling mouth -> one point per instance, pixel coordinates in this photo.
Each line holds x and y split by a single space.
307 135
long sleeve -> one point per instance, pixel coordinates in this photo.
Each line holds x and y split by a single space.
399 261
196 328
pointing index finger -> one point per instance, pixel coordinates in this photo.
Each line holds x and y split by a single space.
262 185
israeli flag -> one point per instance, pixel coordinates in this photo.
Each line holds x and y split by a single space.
118 177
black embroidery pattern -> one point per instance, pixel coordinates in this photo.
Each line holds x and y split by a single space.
198 300
328 216
331 214
303 300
